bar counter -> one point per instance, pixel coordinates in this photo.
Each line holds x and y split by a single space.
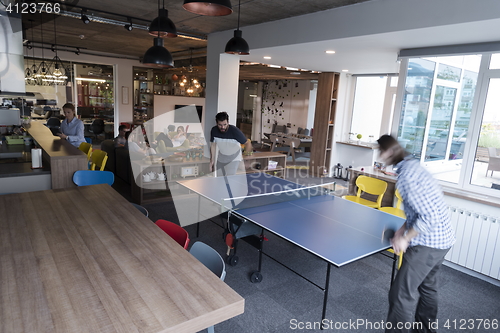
64 158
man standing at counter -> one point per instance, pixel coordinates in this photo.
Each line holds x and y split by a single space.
72 128
425 237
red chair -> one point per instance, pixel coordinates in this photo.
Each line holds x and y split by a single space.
175 231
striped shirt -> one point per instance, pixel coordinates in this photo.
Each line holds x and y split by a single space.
424 206
74 131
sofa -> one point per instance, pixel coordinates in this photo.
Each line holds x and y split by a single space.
118 160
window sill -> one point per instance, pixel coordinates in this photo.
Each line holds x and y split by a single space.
362 144
471 196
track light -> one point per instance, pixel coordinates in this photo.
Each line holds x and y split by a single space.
77 52
129 26
85 18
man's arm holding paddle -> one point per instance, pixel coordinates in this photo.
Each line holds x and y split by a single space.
402 238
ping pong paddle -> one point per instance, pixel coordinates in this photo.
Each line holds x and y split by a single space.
387 234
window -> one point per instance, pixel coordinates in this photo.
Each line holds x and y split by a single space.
486 168
436 113
450 119
370 105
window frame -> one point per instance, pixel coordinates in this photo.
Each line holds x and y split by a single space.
479 102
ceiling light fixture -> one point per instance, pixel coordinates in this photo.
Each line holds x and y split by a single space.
237 45
329 52
162 26
85 19
59 71
345 70
129 26
267 57
210 7
92 80
157 55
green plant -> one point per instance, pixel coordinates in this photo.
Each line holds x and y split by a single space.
489 137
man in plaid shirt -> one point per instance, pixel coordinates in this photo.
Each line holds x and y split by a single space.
426 237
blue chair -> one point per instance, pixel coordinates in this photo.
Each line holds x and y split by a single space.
90 177
88 140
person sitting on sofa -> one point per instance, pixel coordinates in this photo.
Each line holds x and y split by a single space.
166 137
137 146
179 138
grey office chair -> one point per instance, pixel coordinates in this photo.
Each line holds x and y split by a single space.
141 209
212 260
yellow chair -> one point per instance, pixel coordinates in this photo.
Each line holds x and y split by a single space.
395 210
86 148
398 212
98 160
371 186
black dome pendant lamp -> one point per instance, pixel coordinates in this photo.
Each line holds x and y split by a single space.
209 7
157 55
237 45
162 25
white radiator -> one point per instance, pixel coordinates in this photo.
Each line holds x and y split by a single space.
478 242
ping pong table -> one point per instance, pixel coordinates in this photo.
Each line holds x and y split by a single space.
334 229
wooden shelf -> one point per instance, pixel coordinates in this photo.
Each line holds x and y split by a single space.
326 105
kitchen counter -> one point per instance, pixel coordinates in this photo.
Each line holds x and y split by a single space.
62 157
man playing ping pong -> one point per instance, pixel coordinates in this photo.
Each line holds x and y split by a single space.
425 237
225 146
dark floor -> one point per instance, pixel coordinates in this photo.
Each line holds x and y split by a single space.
358 291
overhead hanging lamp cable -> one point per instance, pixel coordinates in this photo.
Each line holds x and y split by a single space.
237 45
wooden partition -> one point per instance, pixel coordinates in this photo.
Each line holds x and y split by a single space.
63 158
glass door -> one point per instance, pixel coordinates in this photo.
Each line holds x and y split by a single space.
486 167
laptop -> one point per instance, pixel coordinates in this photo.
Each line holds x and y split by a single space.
55 130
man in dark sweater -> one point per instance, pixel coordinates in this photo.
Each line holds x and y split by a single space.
225 146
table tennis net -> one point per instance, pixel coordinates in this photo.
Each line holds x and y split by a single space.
287 193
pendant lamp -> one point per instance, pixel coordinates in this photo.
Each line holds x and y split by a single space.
59 73
157 55
162 25
237 45
209 7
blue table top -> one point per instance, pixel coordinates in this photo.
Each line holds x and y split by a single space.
335 229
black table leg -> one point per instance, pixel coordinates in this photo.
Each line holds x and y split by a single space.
325 297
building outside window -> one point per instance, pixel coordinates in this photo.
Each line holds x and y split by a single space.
450 119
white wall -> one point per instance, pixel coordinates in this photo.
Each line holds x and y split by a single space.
286 101
11 54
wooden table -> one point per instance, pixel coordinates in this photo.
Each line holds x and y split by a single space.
259 162
85 260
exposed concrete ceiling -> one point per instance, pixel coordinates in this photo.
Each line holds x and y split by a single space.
72 33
